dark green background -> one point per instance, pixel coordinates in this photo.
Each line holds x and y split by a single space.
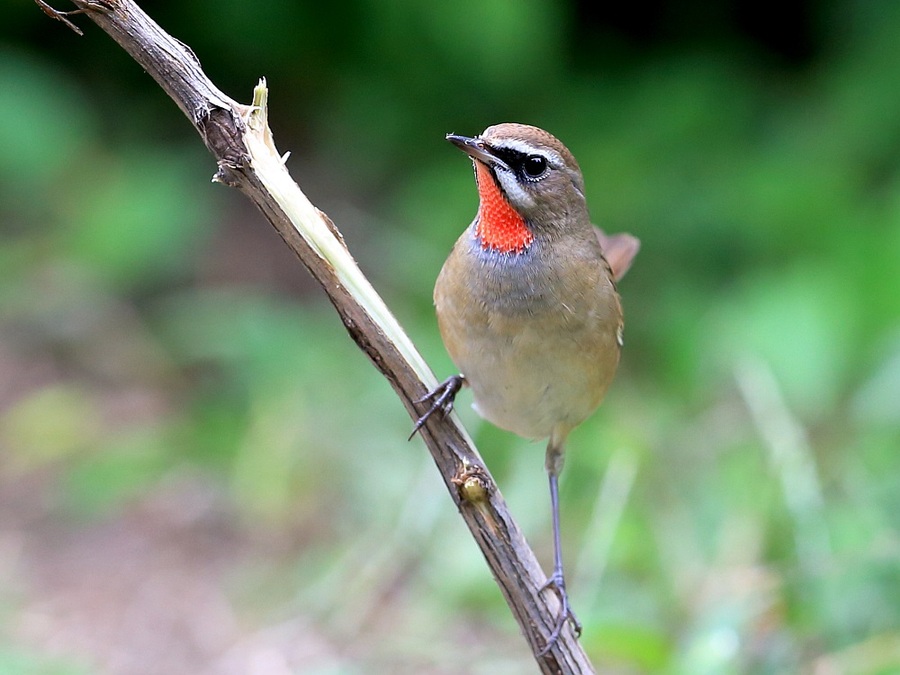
200 473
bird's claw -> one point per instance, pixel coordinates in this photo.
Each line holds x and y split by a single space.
441 397
558 584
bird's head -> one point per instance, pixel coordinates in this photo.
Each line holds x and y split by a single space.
526 179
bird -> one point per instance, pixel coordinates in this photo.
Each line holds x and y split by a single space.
527 304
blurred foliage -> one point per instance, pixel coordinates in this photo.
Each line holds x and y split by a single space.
733 507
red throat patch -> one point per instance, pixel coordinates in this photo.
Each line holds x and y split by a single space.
499 226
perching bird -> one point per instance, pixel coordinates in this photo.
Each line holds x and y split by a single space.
527 303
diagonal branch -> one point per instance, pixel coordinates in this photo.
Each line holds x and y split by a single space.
238 136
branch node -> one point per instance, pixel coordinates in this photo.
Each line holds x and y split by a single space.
59 15
224 175
472 483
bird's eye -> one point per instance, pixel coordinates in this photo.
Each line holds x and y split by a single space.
534 166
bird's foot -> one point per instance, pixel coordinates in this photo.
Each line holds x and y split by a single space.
558 584
441 397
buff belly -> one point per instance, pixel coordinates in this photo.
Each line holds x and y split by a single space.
522 384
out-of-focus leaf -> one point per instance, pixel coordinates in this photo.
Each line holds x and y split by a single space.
139 220
45 124
50 424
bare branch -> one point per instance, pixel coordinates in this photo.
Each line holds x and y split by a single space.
238 136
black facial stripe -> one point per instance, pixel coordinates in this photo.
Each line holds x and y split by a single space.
513 158
518 160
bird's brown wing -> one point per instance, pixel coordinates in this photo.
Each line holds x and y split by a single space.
619 250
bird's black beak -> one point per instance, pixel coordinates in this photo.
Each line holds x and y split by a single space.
476 148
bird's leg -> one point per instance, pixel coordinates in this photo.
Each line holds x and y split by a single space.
441 397
557 580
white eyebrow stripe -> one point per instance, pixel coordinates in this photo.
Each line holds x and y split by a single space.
528 149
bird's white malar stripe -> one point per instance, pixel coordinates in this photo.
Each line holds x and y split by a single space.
513 189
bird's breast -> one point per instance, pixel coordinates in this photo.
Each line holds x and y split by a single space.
534 333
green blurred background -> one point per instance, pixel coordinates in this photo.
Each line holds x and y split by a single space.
200 473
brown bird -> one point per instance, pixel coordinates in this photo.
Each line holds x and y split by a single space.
527 303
